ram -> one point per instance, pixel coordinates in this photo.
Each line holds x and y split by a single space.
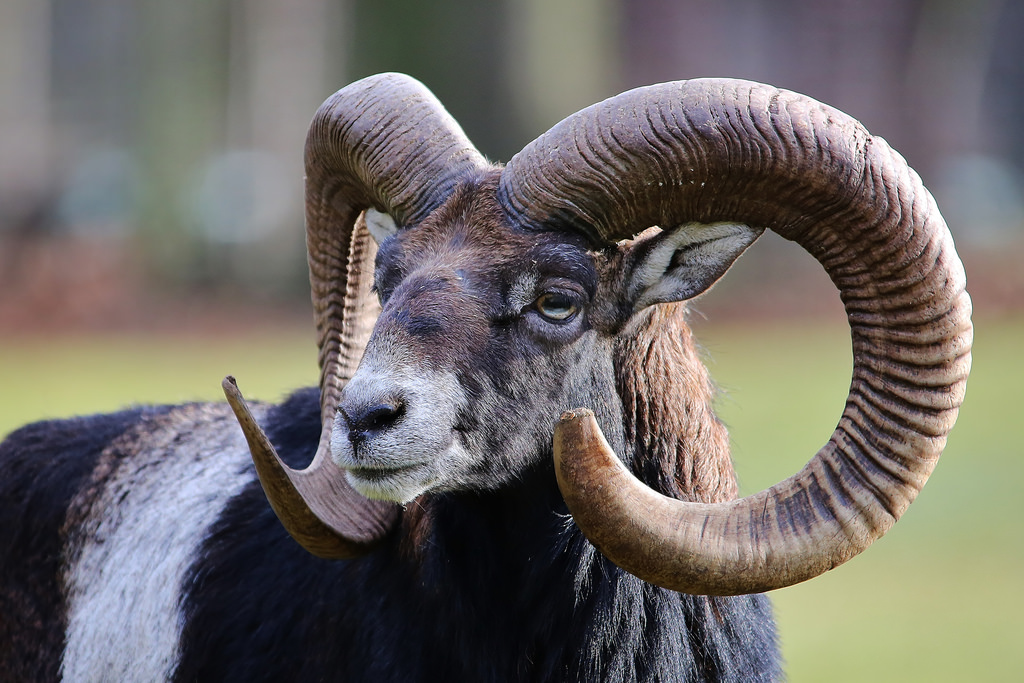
511 469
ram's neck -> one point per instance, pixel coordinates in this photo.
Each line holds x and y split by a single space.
679 446
555 608
514 558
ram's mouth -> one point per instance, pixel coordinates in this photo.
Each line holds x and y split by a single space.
374 474
398 484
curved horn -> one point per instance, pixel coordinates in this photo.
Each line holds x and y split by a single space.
726 150
384 142
316 506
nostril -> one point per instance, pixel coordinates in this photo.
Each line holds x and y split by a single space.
363 421
380 416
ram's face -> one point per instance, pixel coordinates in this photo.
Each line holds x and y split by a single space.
491 325
478 349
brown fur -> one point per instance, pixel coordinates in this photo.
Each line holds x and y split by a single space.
680 447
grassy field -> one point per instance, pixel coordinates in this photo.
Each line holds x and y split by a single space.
938 599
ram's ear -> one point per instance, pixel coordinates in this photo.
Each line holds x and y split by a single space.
380 225
674 265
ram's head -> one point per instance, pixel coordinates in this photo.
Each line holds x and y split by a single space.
501 297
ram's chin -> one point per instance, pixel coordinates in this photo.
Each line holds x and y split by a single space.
396 486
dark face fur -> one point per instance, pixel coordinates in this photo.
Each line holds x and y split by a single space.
485 337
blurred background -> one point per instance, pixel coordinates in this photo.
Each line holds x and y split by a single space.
151 236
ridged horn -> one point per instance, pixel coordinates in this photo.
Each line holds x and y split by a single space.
386 143
316 505
726 150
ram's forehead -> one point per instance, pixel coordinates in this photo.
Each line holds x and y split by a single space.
470 229
566 254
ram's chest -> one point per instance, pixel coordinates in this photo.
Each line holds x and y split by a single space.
132 535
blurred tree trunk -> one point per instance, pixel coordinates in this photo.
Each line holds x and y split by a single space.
26 173
562 56
945 79
229 82
283 64
457 48
183 49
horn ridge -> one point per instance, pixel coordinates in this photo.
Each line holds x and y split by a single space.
726 150
383 142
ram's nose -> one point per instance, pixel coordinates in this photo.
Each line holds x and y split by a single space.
366 419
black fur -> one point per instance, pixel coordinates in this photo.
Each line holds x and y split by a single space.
474 587
42 467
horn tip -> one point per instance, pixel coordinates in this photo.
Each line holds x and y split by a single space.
575 415
239 405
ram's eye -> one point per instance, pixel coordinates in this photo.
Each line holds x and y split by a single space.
555 306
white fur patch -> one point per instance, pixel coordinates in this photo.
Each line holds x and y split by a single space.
420 453
139 538
380 225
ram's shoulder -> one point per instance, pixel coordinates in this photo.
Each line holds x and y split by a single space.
43 463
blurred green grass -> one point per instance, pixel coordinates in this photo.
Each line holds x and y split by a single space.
940 598
58 377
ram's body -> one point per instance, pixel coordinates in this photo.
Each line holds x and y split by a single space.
466 535
177 567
